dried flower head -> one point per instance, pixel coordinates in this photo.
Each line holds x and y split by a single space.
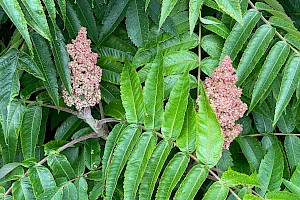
85 74
224 98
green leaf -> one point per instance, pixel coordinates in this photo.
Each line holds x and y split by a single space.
290 79
172 175
212 44
208 64
115 109
175 108
295 179
284 24
67 128
63 9
194 13
166 8
14 12
61 57
137 23
254 51
239 34
92 153
217 27
116 13
286 122
292 39
41 179
60 166
36 12
11 120
70 192
187 138
137 164
233 178
179 61
191 183
271 170
292 148
131 94
291 186
42 57
232 8
50 5
216 191
109 92
22 189
251 197
275 4
209 139
281 195
252 150
125 145
270 69
72 21
30 130
51 194
6 169
82 188
154 167
154 95
26 63
225 161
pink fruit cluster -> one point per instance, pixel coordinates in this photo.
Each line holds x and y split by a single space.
224 98
85 74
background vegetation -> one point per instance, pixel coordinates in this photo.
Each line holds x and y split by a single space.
149 137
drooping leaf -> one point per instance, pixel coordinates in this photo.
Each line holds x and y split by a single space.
153 169
271 170
67 128
217 191
60 166
45 64
275 59
290 79
41 180
137 22
175 108
232 8
92 153
292 148
187 138
137 164
254 51
239 34
194 13
30 130
172 174
22 189
191 183
209 139
131 94
154 95
14 12
125 145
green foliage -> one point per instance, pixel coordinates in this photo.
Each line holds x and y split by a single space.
154 134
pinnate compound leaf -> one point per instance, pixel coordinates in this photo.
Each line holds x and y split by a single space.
232 8
290 79
131 94
271 170
292 148
30 130
36 12
176 107
60 166
91 153
22 189
194 13
125 145
209 139
42 57
11 119
254 51
239 34
216 191
41 180
14 12
137 23
187 138
172 175
191 183
233 178
166 8
137 164
270 69
154 95
154 167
